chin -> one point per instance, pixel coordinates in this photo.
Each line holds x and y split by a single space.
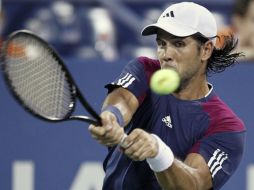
172 68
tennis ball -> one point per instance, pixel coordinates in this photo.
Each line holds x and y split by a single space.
164 81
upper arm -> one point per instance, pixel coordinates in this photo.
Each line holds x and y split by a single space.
130 88
222 153
135 77
201 170
193 172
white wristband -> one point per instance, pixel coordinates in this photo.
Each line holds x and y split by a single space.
164 158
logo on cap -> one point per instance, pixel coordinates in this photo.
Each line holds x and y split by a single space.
170 14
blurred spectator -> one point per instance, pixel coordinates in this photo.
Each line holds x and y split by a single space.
242 25
104 33
63 25
69 27
58 24
43 24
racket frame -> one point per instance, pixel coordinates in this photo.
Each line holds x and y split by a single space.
75 92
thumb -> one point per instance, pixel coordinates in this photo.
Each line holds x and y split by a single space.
108 119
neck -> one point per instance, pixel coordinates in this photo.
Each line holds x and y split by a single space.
195 89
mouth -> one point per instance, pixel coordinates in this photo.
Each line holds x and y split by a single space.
167 65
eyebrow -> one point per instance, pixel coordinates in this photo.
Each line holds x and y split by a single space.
171 37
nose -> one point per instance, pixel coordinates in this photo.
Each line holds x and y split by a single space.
167 54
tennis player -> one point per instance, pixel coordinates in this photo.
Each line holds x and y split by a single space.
186 140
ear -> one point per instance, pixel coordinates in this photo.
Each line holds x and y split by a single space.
206 50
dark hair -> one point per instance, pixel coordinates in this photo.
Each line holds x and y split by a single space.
223 57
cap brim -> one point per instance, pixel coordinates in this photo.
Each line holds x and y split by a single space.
170 27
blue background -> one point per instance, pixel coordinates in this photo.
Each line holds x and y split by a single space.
58 149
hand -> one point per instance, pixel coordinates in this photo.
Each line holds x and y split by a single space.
140 145
110 133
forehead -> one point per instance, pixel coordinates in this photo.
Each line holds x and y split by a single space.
161 34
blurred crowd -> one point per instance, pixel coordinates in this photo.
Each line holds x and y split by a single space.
110 30
241 24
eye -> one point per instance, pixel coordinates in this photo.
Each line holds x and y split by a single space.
179 43
160 42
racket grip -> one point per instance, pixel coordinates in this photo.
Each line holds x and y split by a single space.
122 143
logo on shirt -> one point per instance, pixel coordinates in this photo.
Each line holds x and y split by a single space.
167 121
216 161
126 80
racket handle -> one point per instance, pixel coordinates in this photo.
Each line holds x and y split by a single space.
122 143
86 119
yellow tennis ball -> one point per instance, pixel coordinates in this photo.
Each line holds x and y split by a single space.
164 81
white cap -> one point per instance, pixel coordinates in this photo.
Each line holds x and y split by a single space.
185 19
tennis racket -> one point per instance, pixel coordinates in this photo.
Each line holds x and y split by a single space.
40 81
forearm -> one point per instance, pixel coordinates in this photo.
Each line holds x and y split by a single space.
179 176
172 173
123 100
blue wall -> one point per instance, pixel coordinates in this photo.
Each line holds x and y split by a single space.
58 149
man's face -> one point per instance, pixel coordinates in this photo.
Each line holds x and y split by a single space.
181 54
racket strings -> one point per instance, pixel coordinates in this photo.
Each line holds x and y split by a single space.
38 79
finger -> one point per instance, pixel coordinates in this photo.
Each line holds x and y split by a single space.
142 154
114 136
143 146
134 149
122 141
98 131
108 119
95 136
105 143
133 137
148 149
